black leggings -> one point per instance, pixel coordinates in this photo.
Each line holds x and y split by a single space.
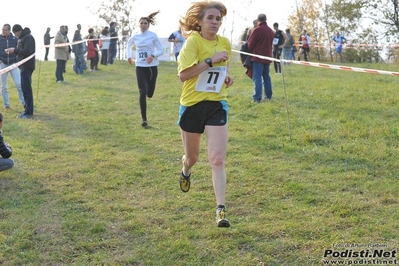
94 62
104 56
146 79
277 65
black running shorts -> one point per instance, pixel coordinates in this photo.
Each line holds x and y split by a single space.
196 117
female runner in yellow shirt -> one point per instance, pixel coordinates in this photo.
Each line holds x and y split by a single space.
203 66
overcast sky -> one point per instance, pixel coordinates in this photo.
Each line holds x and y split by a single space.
38 15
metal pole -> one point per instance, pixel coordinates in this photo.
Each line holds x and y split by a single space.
286 100
38 81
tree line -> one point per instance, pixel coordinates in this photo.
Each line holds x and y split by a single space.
368 26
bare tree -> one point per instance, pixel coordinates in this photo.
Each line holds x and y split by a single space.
242 15
384 13
326 22
119 11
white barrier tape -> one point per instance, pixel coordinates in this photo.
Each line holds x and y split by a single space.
345 45
337 67
353 45
346 68
11 67
76 42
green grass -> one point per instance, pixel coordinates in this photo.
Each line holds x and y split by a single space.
91 187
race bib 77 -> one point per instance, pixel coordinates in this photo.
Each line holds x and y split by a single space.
212 79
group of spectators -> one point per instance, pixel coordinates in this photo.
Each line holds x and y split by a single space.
284 45
16 46
272 43
99 48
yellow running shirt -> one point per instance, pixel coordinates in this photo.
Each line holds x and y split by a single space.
195 50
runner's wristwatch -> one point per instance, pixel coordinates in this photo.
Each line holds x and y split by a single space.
209 62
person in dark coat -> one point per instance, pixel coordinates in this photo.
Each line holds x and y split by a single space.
25 50
260 42
5 151
246 59
47 39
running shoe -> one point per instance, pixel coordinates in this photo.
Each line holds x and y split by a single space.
221 217
185 182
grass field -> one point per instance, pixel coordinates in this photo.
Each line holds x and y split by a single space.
314 171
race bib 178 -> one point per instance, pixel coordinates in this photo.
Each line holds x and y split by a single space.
142 54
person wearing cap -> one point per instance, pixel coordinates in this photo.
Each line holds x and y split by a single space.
25 49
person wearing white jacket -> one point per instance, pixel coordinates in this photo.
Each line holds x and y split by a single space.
148 49
105 40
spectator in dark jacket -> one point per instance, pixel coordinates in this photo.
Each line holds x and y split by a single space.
47 39
79 50
246 59
260 43
25 49
5 151
113 42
